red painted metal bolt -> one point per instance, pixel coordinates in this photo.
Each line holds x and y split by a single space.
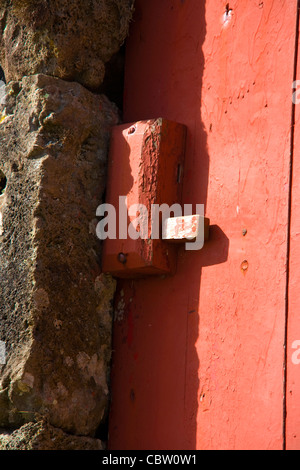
122 258
244 266
131 130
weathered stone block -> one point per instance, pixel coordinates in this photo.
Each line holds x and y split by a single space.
42 436
55 305
69 40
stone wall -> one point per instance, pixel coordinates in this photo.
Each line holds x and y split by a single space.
55 304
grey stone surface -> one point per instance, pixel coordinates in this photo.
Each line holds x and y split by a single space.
70 40
42 436
55 305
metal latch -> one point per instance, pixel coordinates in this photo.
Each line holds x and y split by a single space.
142 221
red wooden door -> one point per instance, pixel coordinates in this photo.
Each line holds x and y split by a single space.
199 358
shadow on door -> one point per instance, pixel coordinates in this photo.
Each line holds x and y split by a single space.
155 369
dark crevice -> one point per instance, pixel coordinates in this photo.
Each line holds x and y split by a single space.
113 88
2 75
113 84
102 431
3 182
